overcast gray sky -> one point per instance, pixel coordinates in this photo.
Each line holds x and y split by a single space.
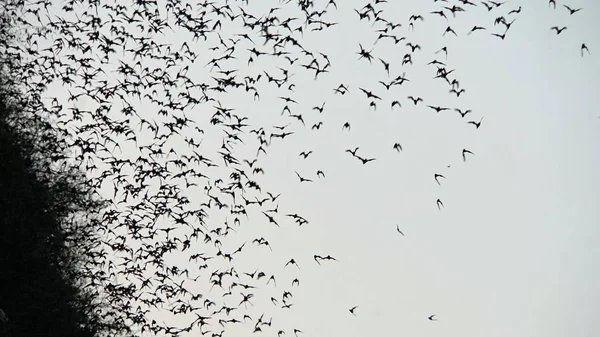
515 249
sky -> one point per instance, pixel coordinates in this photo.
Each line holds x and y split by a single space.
513 250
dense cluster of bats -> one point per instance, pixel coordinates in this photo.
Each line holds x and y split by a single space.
112 57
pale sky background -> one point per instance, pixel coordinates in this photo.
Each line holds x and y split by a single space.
514 252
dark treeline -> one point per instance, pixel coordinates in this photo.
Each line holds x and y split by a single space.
48 224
